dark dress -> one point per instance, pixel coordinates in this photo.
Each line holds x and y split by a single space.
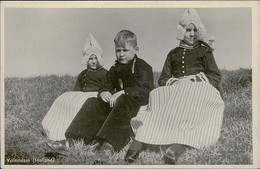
90 80
96 120
184 114
183 62
67 105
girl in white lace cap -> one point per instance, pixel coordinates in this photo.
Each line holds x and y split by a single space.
66 106
187 110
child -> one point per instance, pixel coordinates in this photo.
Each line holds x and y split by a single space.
188 111
106 119
66 106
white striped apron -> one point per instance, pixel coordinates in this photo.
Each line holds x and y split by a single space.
186 112
62 112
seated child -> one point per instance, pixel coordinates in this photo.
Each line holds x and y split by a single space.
188 111
88 83
106 119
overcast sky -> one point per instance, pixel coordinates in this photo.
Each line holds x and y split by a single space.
42 41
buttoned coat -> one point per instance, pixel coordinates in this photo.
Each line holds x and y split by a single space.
96 120
90 80
183 62
135 78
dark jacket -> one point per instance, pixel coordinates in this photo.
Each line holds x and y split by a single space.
183 62
90 80
135 78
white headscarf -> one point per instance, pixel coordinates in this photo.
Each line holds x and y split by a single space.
91 47
190 16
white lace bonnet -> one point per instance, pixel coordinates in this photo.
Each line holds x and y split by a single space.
91 47
190 15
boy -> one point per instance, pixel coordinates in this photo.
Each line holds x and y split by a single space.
107 119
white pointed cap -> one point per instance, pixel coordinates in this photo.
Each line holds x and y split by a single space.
91 47
189 16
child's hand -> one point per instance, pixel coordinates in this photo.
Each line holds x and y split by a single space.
105 96
114 97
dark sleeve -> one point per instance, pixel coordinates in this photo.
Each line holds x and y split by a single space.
104 75
77 86
108 81
166 72
211 70
145 84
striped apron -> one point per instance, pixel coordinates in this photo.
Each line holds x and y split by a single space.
186 112
62 112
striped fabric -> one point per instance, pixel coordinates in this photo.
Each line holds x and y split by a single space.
62 112
186 112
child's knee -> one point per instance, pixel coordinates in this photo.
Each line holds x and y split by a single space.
91 103
122 100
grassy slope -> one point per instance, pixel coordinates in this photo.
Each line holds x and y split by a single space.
28 99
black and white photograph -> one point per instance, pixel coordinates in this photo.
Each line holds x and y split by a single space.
162 84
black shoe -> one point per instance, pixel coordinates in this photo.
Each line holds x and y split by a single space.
169 157
107 147
97 145
132 155
57 147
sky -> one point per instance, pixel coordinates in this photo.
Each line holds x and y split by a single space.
46 41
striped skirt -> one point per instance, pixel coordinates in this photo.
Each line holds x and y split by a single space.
62 112
186 112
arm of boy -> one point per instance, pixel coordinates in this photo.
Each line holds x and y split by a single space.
105 96
144 84
114 97
107 86
166 72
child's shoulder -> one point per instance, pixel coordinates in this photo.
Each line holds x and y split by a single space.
174 50
83 71
142 63
204 46
102 69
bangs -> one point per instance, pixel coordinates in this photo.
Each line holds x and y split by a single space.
124 37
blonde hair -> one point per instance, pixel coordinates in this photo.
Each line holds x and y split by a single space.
125 36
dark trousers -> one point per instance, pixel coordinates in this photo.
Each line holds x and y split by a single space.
96 120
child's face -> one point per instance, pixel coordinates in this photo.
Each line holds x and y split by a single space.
93 62
191 35
125 54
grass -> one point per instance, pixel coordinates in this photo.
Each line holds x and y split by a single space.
27 100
